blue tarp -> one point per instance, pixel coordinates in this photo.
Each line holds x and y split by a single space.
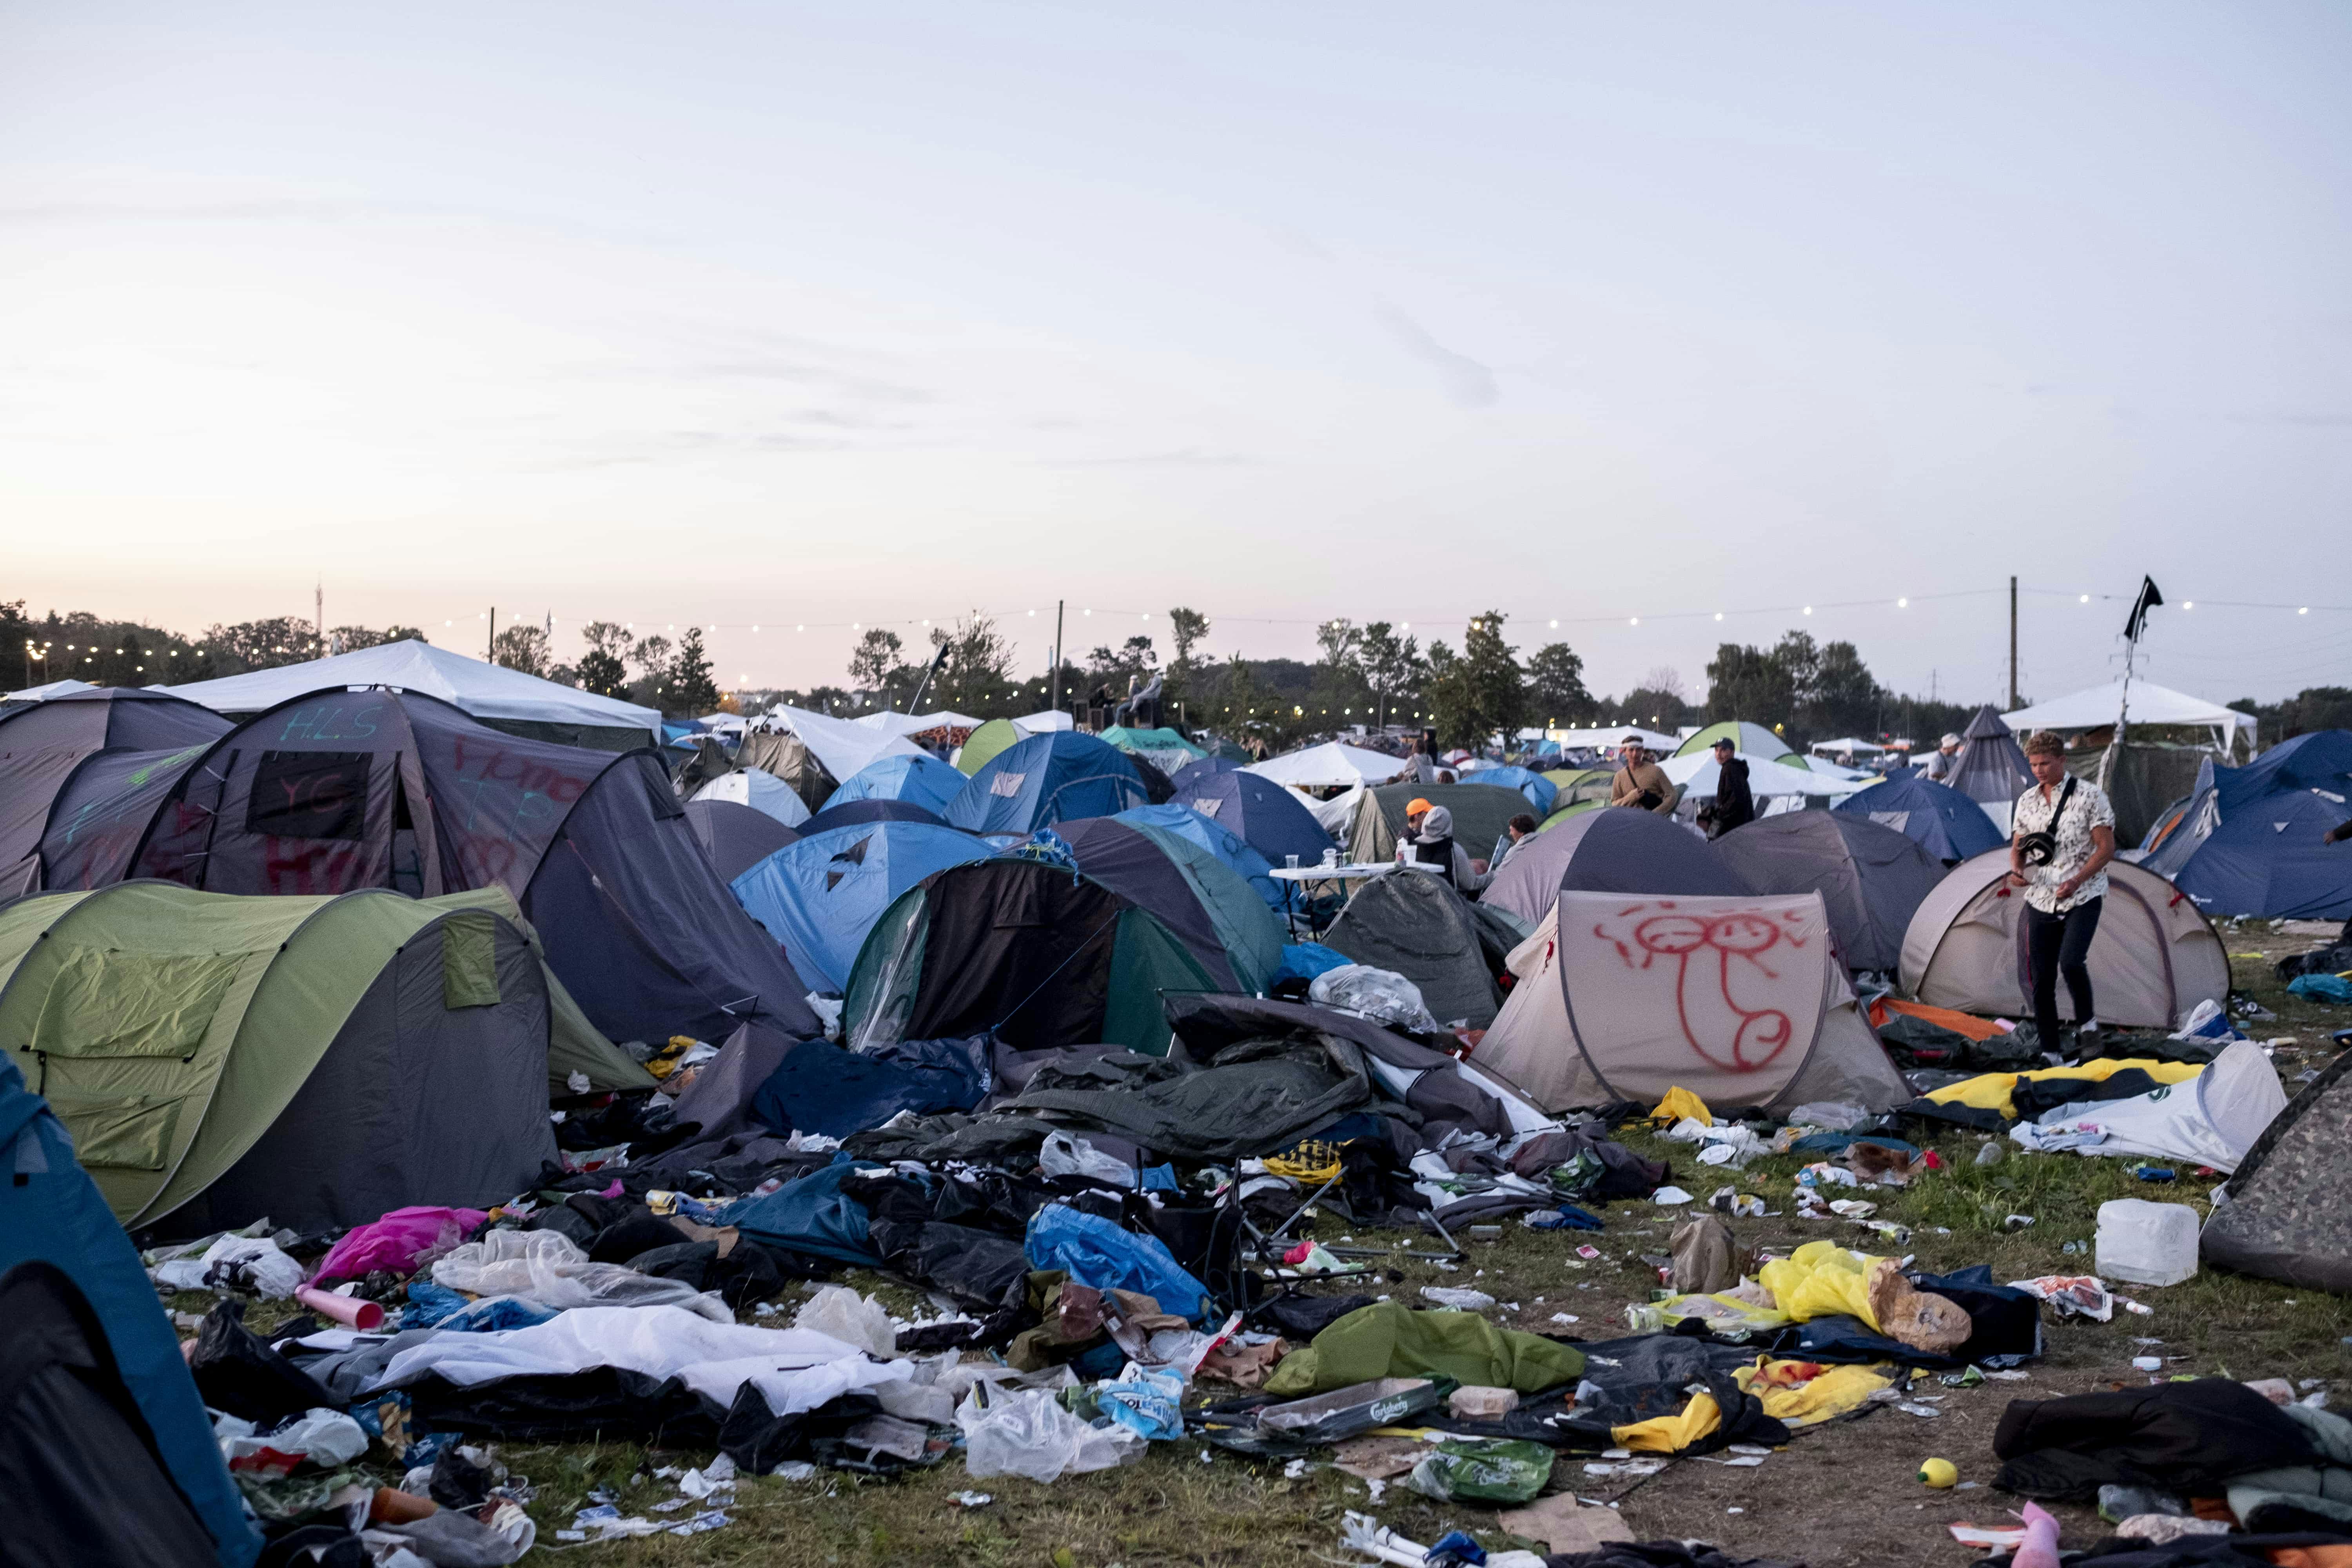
811 1216
1540 790
923 781
1269 818
1942 821
1228 848
1045 779
820 896
2251 840
1095 1251
820 1087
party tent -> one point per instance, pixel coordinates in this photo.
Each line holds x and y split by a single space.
1751 741
1480 815
921 780
842 745
1871 877
1204 833
736 837
345 789
319 1060
1739 1000
760 790
2155 957
2252 840
1046 780
1269 818
2285 1208
503 698
43 742
820 896
1992 768
1940 820
1769 778
1332 766
1539 792
1045 951
984 743
1413 923
2100 706
1610 849
902 724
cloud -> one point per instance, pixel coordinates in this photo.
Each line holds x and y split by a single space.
1182 458
1469 384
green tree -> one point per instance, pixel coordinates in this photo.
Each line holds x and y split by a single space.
875 660
263 645
1845 697
350 639
692 691
522 648
977 678
1556 686
1187 629
1480 691
603 669
1393 670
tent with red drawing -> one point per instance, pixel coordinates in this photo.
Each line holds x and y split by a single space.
1741 1000
2155 955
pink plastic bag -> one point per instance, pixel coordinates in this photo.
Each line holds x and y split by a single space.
396 1242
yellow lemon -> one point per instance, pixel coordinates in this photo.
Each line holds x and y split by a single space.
1937 1473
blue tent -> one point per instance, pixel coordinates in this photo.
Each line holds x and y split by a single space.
1229 847
926 782
1200 770
851 812
1940 820
820 896
2248 841
1540 790
1268 817
51 1214
1046 779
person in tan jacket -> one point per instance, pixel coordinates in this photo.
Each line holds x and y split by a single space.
1641 782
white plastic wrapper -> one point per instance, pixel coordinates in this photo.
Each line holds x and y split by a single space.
852 1318
245 1263
1378 994
1016 1432
548 1267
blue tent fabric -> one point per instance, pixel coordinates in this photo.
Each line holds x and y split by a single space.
1229 848
1096 1251
1540 790
1306 960
2249 840
1268 817
1045 779
921 780
1200 770
50 1212
812 1214
820 896
1944 823
820 1087
1208 909
850 813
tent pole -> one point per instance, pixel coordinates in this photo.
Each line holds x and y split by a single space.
2013 703
2123 713
1055 705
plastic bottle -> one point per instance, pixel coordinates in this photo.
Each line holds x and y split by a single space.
2146 1243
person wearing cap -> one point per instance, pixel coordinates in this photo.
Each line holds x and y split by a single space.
1641 782
1415 810
1432 845
1943 759
1735 803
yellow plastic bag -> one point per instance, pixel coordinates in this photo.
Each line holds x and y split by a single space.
1678 1103
1820 1280
1671 1433
1832 1391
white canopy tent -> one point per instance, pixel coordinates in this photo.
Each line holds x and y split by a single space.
2150 704
1045 722
916 724
1332 766
842 745
1698 772
1846 745
1603 740
484 690
43 693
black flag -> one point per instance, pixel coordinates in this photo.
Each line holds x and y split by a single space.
2148 599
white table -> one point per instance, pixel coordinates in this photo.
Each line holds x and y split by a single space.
1295 878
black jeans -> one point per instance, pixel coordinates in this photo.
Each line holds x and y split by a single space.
2055 945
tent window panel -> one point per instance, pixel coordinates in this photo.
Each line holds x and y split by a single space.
309 794
120 1131
1007 785
104 1003
470 961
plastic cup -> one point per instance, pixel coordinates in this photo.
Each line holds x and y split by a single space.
1291 862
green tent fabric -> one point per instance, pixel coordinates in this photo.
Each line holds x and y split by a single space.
984 743
1749 740
1247 928
171 1030
1480 814
1389 1339
1567 812
574 1045
1160 740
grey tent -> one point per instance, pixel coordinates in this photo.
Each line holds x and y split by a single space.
1480 813
1612 850
1991 768
42 745
1871 877
1414 923
736 837
787 756
2286 1201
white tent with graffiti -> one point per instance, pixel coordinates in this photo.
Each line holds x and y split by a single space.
1740 1000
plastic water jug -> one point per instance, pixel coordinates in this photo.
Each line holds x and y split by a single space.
2146 1243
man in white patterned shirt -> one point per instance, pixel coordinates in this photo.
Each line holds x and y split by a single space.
2064 893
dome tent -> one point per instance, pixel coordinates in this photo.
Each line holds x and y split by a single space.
1747 740
1044 780
1268 817
2251 840
2155 957
1939 819
1480 816
1871 879
736 837
43 743
985 743
1540 793
1610 849
1413 923
1205 833
345 789
321 1061
761 791
926 782
851 813
2283 1213
820 896
1992 768
1197 771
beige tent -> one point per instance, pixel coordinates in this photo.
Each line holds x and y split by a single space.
1740 1000
2154 958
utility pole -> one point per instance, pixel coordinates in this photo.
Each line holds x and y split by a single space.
1057 704
490 654
319 616
2013 703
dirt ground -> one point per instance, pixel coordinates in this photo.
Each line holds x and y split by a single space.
1842 1494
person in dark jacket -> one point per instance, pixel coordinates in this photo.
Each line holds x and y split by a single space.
1735 803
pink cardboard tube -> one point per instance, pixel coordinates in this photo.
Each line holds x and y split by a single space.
349 1310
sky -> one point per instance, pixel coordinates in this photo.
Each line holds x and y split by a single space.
810 319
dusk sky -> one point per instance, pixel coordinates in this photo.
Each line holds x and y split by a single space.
797 316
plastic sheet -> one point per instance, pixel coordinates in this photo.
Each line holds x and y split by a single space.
1012 1432
1379 994
852 1318
548 1267
1095 1251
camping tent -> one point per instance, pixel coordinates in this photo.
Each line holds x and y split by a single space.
842 745
903 725
1942 821
1043 723
343 790
1046 780
1992 768
42 742
54 689
736 837
1608 738
985 743
782 755
503 698
1769 778
2212 1118
760 790
320 1060
1231 849
1164 749
2283 1213
2154 959
1021 946
1200 770
1413 923
1269 818
1332 766
820 896
1609 849
1539 792
851 813
2249 840
1480 815
102 1435
1623 999
2100 706
1753 741
926 782
1871 877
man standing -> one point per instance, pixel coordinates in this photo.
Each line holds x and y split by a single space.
1735 803
1641 782
1943 759
2064 836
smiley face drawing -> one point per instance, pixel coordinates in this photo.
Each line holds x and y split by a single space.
1711 950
